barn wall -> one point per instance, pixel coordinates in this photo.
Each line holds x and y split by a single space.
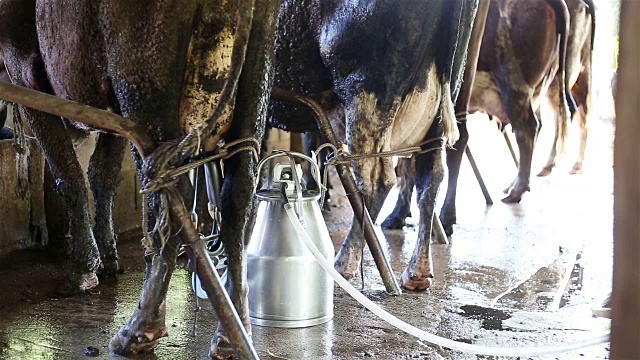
34 215
22 217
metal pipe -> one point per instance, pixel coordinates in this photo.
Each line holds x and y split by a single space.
476 172
510 146
197 252
438 229
357 203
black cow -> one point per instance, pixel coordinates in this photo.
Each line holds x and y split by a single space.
387 71
162 64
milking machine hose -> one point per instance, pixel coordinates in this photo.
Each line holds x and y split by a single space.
421 334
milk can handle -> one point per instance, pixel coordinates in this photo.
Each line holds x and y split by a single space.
315 174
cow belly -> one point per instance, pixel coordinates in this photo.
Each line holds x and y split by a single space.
485 97
416 114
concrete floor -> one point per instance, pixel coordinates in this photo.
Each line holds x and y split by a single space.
505 280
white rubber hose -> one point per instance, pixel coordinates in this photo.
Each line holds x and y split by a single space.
421 334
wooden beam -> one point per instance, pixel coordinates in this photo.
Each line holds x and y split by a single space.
96 118
625 327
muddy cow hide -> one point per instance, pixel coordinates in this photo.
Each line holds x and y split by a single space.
519 65
162 64
387 70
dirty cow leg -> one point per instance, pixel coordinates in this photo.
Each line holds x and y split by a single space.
70 185
454 160
526 128
429 175
237 223
104 177
402 210
375 179
147 325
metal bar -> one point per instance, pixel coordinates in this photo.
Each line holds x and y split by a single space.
510 146
197 252
476 172
464 97
441 235
96 118
350 187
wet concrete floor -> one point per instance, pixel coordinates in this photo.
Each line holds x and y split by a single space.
508 278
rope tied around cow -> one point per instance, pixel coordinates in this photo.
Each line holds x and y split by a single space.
161 171
340 156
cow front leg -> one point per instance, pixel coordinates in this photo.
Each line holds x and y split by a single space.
105 174
429 175
402 210
70 185
526 131
454 161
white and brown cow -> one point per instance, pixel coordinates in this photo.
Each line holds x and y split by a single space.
389 71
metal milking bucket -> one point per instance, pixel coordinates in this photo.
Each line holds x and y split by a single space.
287 287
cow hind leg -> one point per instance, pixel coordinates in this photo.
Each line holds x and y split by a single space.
147 325
376 179
236 226
454 161
526 128
70 185
552 97
104 177
402 210
429 175
581 94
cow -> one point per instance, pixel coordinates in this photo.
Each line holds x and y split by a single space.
579 70
521 61
162 64
386 71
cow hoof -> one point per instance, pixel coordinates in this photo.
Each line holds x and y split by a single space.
447 224
576 169
393 223
513 198
221 348
126 342
347 264
78 284
546 171
414 282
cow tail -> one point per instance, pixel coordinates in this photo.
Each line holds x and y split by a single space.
562 28
448 115
591 9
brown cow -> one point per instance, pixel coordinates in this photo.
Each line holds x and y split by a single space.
579 69
521 55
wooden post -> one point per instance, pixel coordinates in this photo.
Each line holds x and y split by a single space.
625 327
